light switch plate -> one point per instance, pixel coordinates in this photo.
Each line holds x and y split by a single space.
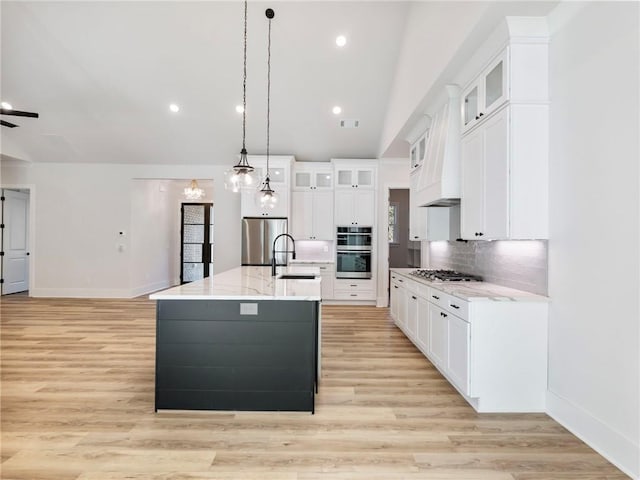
248 309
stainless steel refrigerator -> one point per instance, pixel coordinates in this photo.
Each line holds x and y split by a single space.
258 235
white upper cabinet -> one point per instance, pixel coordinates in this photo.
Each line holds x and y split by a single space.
355 196
313 176
354 173
505 142
279 176
487 92
417 139
312 201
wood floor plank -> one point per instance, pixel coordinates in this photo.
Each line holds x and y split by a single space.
77 404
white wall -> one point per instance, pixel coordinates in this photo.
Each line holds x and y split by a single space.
80 210
594 334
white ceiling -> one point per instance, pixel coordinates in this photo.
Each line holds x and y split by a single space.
102 74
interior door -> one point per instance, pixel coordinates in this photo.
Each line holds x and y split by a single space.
196 250
15 242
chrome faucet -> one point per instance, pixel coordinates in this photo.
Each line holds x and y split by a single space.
273 252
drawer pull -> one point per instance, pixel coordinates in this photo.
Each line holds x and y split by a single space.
353 285
395 286
414 297
354 294
436 297
400 280
443 314
455 306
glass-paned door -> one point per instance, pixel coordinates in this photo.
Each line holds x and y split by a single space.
196 249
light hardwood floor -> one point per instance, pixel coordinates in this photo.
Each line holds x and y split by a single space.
77 403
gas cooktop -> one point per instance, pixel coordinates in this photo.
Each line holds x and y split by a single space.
446 276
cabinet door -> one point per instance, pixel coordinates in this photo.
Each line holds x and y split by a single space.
422 333
327 284
323 180
496 87
302 215
496 176
343 208
412 315
472 201
393 301
402 308
345 178
438 336
322 215
417 215
471 105
363 207
458 365
365 178
302 180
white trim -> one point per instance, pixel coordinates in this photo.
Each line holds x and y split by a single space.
151 287
383 245
612 445
81 293
32 227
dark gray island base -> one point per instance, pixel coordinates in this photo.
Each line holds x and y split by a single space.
209 356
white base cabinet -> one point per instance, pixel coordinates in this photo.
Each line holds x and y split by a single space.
493 352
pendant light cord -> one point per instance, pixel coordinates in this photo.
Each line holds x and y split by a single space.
268 92
244 81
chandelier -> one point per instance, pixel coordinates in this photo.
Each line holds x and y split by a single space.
193 192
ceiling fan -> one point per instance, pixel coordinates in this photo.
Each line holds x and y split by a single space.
17 113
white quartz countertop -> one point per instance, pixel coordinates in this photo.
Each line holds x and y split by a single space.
474 291
248 283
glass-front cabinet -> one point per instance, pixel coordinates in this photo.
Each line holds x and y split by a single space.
313 176
355 177
487 92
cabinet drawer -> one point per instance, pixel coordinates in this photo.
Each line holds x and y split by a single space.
354 285
355 295
459 308
437 297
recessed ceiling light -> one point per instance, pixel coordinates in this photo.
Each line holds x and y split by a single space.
174 108
341 40
6 106
239 108
337 110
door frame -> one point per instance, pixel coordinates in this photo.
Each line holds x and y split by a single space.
383 242
32 227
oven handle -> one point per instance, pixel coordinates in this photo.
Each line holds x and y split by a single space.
356 251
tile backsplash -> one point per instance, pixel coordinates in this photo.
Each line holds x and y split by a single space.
518 264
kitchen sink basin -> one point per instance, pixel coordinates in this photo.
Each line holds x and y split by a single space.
297 276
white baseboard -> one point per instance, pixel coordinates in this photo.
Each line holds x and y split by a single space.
382 301
80 293
615 447
151 287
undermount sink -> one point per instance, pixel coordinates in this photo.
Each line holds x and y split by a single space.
297 276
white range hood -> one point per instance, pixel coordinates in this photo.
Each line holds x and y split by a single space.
439 177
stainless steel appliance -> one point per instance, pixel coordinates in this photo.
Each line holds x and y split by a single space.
353 263
258 235
446 276
354 238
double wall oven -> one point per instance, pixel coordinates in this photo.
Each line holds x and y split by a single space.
353 250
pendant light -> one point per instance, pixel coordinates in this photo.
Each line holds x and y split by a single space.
267 197
239 176
193 191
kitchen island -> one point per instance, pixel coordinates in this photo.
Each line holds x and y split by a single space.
240 340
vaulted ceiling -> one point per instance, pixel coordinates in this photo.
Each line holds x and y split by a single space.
102 75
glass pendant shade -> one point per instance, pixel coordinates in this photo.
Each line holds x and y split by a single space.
240 176
193 192
266 197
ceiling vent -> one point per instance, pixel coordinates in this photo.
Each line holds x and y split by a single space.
344 123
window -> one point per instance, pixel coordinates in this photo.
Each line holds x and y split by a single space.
393 223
